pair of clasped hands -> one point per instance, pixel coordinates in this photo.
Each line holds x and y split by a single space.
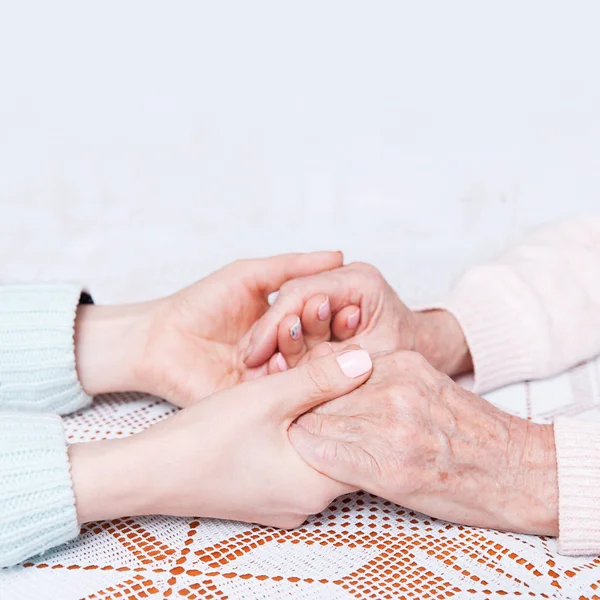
284 408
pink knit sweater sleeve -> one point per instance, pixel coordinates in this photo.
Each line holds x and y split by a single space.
533 312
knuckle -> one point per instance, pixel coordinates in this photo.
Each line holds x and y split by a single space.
408 359
411 435
394 391
367 269
287 288
417 359
392 401
290 293
318 378
239 265
321 349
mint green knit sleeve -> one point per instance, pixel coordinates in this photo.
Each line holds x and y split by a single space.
37 505
38 381
37 349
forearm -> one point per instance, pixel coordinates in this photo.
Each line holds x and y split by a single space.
545 480
501 469
524 489
111 479
141 474
132 476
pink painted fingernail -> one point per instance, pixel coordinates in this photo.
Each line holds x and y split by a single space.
324 311
281 362
355 363
352 322
296 329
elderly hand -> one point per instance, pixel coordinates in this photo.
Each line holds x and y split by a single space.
354 304
191 344
227 456
412 436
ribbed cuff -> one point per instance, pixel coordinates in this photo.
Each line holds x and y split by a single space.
37 504
578 458
502 343
37 349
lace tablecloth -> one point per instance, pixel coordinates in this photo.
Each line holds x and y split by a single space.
360 547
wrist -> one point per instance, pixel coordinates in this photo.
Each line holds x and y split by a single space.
506 465
440 339
530 477
109 344
146 474
110 480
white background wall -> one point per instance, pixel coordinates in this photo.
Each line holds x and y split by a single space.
143 145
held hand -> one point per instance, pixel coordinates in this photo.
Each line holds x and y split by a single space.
355 304
228 456
414 437
191 344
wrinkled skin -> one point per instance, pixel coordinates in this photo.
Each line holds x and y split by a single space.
414 437
386 323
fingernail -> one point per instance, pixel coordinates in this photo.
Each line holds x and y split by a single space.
296 329
324 311
352 322
355 363
281 362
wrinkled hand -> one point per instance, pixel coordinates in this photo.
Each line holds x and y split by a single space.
385 324
191 344
414 437
228 456
354 304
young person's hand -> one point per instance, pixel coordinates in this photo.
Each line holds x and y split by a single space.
191 344
354 304
227 456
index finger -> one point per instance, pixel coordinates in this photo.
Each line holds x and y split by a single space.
271 273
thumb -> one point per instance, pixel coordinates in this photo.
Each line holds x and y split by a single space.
321 379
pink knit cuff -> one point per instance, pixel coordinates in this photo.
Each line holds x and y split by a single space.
503 344
578 458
